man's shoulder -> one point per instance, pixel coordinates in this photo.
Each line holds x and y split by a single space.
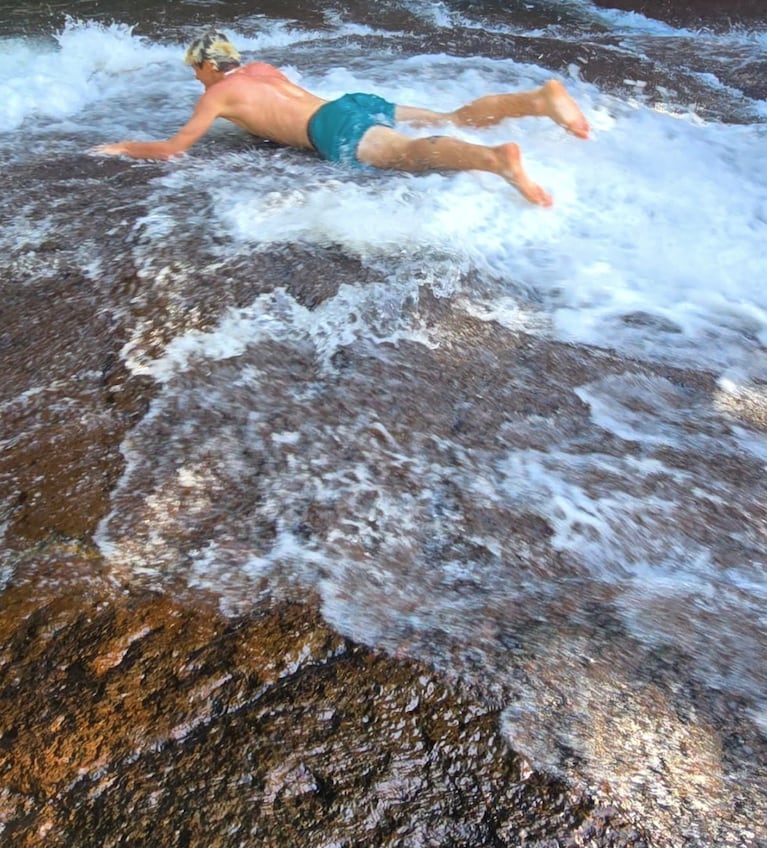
260 71
245 78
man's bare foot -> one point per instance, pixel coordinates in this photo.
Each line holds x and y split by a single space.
510 168
563 110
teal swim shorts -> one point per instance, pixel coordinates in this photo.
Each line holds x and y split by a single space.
336 129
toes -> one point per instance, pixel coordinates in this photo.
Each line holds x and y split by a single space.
579 128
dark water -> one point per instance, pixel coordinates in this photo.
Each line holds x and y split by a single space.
528 448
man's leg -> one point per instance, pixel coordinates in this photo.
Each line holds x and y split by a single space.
384 147
551 100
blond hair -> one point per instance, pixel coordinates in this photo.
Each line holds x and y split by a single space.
214 47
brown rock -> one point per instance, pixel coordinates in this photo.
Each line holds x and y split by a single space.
134 720
681 11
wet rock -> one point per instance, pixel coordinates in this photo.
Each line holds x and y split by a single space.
131 719
689 11
64 411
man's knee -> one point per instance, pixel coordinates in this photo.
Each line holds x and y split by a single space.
382 147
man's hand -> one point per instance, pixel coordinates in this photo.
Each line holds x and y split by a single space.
140 149
116 149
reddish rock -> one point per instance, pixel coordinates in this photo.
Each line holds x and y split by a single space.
136 720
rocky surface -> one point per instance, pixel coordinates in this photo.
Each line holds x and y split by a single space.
134 718
691 11
131 719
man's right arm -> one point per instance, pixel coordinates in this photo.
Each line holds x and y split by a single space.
205 113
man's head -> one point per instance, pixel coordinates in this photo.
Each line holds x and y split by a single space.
214 47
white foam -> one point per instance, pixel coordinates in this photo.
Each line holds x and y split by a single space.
41 79
374 311
89 62
654 412
660 217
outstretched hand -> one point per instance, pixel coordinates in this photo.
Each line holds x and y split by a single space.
115 149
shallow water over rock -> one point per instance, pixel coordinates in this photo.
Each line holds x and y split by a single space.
352 509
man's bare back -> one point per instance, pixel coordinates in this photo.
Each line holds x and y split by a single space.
265 104
355 129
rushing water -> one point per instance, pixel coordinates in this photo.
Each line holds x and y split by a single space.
526 445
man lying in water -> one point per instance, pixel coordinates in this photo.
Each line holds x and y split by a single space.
356 128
